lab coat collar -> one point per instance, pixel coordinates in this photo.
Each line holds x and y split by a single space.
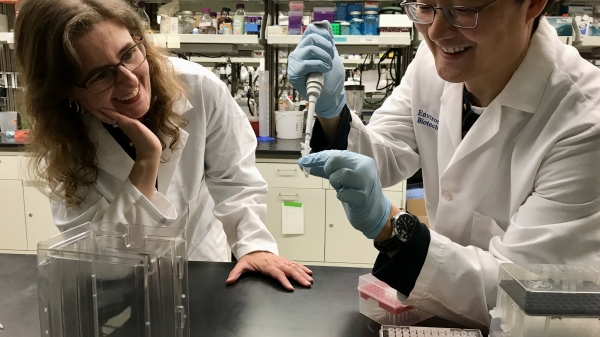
526 87
115 161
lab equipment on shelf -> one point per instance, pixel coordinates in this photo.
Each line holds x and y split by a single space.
547 301
371 23
379 302
356 26
344 28
187 22
238 20
102 279
205 22
341 11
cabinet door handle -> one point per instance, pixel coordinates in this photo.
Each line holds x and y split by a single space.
330 225
287 172
30 215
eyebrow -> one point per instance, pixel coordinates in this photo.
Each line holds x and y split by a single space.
120 53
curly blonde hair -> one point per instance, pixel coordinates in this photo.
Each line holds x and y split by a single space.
64 158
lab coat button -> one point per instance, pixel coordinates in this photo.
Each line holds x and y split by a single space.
447 195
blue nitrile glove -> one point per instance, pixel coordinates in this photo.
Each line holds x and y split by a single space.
316 53
355 179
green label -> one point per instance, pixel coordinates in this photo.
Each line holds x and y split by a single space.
292 204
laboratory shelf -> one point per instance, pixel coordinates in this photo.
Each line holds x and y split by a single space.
218 60
348 40
174 41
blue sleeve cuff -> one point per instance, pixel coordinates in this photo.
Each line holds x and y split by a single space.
401 271
319 142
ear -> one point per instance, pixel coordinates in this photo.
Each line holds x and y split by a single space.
535 8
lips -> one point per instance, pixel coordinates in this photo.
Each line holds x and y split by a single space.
131 95
454 50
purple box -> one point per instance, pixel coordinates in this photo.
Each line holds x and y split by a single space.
324 13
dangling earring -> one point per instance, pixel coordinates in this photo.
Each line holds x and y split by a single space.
73 105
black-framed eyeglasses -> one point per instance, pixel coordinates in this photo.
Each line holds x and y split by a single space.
102 79
458 16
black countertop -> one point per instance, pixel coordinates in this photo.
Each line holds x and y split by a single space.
255 306
279 147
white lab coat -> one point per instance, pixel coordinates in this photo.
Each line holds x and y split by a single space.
217 159
523 185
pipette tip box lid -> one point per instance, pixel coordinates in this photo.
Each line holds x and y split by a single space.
379 302
545 300
102 279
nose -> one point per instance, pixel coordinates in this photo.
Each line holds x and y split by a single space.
125 78
440 29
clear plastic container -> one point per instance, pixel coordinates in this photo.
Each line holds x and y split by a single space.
410 331
205 23
8 121
186 25
356 27
548 301
101 279
345 28
238 20
371 23
379 302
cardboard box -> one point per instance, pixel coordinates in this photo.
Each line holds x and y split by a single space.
417 207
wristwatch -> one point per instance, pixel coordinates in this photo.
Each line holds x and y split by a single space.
403 224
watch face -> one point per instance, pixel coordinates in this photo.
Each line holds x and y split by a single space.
404 226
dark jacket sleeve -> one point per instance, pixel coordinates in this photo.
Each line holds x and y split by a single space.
401 271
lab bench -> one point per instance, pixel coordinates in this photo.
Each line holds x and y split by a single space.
254 306
323 237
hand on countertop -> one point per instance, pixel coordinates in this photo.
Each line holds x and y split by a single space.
276 266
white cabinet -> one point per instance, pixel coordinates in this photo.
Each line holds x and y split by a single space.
328 236
9 169
38 216
25 215
343 243
301 247
12 221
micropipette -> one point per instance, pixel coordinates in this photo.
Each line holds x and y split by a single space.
314 86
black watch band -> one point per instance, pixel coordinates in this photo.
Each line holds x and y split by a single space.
403 224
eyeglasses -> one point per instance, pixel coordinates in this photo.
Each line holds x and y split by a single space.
458 16
103 79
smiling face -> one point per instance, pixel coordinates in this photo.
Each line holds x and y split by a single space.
104 46
491 50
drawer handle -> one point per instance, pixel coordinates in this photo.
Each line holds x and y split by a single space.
287 172
288 195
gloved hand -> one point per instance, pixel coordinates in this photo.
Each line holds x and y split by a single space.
316 53
355 179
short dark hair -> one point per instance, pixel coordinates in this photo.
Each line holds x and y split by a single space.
536 22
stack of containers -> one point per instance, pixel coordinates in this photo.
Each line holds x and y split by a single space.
295 17
355 18
371 19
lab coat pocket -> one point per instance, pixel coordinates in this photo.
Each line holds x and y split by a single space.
483 229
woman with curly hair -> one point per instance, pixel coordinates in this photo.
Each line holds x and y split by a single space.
124 134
